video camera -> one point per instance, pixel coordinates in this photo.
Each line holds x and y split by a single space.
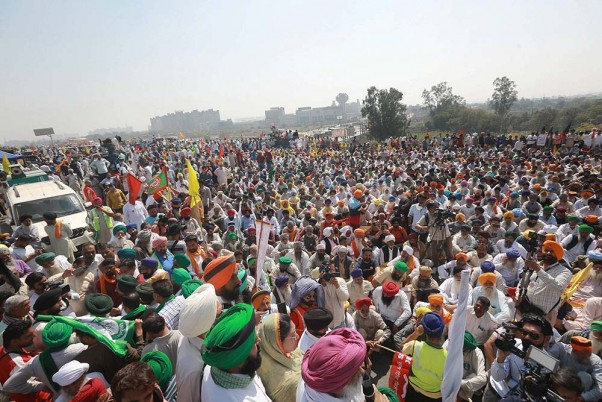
327 274
441 215
57 284
535 379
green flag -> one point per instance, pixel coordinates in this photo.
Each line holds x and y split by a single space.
157 183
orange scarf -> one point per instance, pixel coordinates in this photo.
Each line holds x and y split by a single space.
58 226
411 264
193 262
104 280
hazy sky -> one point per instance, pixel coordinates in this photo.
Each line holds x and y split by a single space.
81 65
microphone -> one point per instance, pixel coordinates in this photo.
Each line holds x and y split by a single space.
367 388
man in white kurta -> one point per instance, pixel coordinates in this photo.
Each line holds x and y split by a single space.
59 234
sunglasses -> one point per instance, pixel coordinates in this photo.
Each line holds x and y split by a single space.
533 335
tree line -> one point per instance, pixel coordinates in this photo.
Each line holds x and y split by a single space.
442 110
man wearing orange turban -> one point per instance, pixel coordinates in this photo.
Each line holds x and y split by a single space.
549 280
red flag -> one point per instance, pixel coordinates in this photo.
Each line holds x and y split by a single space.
221 151
399 379
134 186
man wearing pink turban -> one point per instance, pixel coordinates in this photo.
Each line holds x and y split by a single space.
333 369
162 254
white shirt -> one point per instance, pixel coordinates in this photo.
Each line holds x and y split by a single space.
398 311
210 391
134 213
306 341
480 328
189 371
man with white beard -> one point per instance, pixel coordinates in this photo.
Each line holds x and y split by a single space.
510 265
450 288
498 306
333 370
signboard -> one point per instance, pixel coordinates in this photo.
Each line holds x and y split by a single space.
43 131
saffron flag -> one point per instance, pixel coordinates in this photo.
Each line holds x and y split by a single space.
134 186
5 164
157 183
181 135
193 185
575 283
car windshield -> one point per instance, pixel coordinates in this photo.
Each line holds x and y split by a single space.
62 205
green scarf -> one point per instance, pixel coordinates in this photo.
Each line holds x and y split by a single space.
229 381
132 314
50 369
162 304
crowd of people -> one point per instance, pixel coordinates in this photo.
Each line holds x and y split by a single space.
365 255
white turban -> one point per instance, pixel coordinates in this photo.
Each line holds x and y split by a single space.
342 249
408 249
550 229
70 372
327 231
198 312
389 238
321 246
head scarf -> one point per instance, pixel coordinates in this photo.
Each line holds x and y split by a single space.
487 277
436 299
279 371
190 286
182 259
556 247
401 266
581 343
236 326
470 342
420 311
180 275
462 256
161 366
126 283
363 301
586 228
119 228
433 325
98 304
390 288
56 336
317 318
333 360
159 241
302 287
126 254
219 271
596 326
258 298
70 372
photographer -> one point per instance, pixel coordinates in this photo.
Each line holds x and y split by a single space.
335 295
506 368
546 285
439 235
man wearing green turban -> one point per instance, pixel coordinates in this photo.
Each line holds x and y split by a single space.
232 357
55 336
579 244
475 376
161 365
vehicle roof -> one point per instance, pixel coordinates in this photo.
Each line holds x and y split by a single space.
35 191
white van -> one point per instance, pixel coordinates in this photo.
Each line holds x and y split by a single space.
36 199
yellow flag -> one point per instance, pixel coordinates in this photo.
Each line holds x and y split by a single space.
181 134
5 164
193 185
576 282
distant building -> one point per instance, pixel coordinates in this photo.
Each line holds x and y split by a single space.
318 115
186 121
112 130
275 116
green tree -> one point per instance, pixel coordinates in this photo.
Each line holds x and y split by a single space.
385 112
443 105
504 96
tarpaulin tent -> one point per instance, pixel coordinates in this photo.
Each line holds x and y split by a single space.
9 155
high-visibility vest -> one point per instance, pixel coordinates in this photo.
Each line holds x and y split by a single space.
96 220
427 367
